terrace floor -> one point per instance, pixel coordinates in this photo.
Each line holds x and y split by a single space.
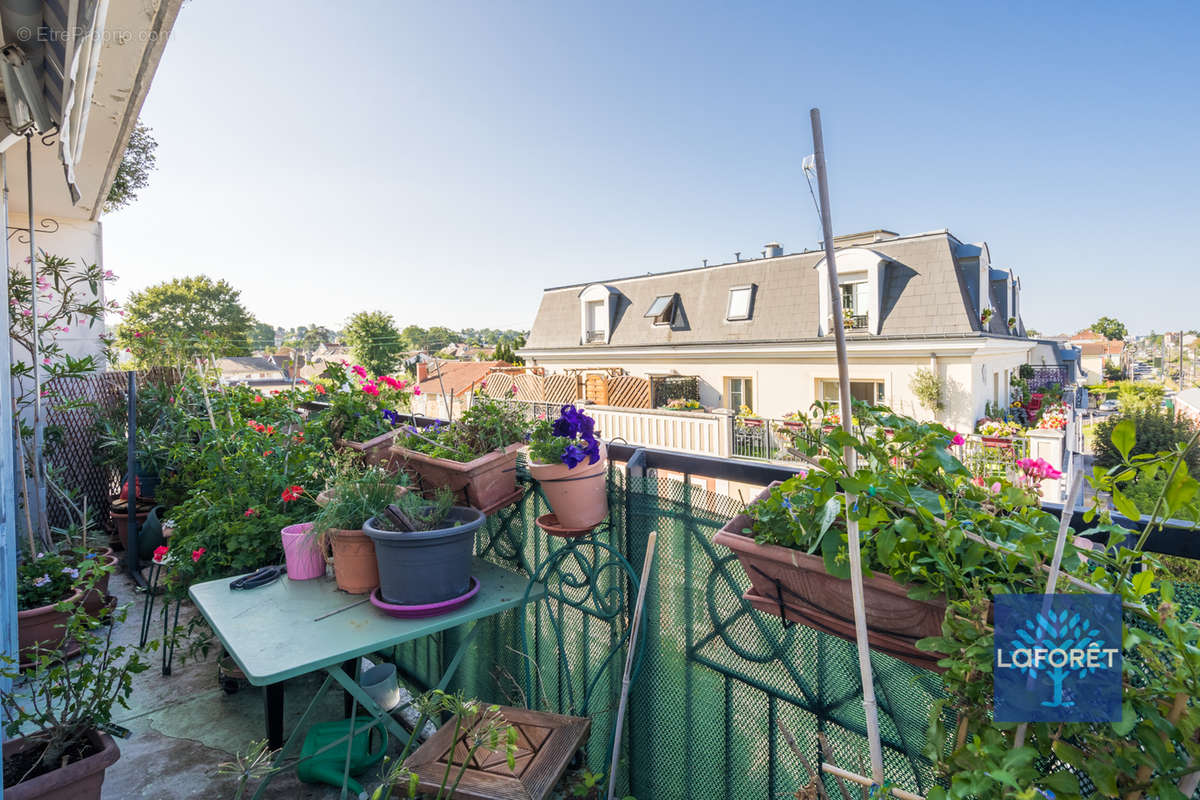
184 725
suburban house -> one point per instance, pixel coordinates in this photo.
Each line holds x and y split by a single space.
439 381
250 370
1096 350
756 333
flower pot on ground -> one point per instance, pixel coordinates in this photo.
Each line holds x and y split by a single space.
61 708
78 780
119 517
303 553
475 456
354 496
44 627
569 463
52 586
430 562
97 598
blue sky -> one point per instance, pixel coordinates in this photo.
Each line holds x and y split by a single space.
446 161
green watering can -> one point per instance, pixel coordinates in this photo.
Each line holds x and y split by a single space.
328 767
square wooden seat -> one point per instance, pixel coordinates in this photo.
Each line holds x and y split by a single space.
545 745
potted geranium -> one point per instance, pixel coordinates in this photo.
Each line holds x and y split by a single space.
61 709
352 498
364 412
568 461
474 456
424 548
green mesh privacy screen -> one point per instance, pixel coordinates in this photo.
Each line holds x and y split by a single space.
717 676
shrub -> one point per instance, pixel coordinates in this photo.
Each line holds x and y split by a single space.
927 387
1156 431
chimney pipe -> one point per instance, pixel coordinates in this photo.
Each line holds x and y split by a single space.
737 256
422 372
772 250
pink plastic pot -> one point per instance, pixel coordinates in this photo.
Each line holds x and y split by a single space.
303 552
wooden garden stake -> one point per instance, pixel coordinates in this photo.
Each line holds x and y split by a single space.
870 707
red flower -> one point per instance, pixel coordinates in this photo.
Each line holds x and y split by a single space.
250 423
302 382
299 437
160 553
274 391
292 493
250 512
258 398
320 389
197 553
267 453
270 429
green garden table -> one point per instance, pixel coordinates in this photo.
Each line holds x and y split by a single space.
273 633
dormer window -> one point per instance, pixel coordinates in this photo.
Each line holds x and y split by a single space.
662 310
597 307
740 300
594 314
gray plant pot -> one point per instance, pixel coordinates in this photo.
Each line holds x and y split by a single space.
426 567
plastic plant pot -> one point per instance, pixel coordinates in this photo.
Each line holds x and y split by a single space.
303 552
422 567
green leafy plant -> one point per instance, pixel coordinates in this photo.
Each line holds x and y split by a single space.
1155 431
52 577
61 699
475 725
926 386
938 532
362 407
489 424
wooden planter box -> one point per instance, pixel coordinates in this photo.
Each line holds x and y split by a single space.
375 452
794 585
752 422
483 483
1005 442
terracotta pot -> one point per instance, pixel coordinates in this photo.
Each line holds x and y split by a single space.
577 496
97 598
374 452
79 780
482 483
807 594
121 524
354 564
45 626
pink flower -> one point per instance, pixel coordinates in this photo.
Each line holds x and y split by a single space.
996 487
65 329
160 553
370 388
46 361
108 273
958 440
514 388
483 384
250 512
359 370
137 334
197 553
25 312
416 390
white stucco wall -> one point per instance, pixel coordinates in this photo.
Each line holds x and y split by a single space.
78 240
783 384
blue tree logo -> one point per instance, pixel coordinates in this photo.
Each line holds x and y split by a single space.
1059 638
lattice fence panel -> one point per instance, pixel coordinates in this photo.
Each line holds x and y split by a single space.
628 391
562 388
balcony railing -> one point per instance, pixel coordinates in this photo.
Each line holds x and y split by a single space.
855 322
765 439
593 336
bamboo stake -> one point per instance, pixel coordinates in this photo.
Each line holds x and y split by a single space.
827 755
1064 526
870 706
647 563
861 780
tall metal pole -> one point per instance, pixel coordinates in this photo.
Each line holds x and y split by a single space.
9 463
870 707
132 550
35 505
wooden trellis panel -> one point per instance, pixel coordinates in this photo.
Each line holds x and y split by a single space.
595 388
562 388
499 385
530 388
628 391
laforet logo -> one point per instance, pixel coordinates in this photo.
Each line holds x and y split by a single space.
1057 658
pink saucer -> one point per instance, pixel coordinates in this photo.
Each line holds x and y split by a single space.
427 610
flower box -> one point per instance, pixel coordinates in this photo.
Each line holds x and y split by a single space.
793 424
78 780
997 441
44 628
374 452
752 422
483 482
794 585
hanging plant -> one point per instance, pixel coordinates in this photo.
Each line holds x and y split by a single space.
986 315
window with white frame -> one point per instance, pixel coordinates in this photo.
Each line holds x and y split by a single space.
739 392
740 301
869 392
662 310
594 313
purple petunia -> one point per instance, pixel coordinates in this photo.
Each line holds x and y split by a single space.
574 424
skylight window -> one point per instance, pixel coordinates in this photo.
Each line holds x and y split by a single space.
740 299
662 310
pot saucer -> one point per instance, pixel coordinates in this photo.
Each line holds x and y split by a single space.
426 610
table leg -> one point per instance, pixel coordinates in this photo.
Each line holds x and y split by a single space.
350 668
283 753
273 698
148 606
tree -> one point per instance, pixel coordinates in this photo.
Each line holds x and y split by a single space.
181 319
137 162
414 337
262 337
1110 328
374 340
506 352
